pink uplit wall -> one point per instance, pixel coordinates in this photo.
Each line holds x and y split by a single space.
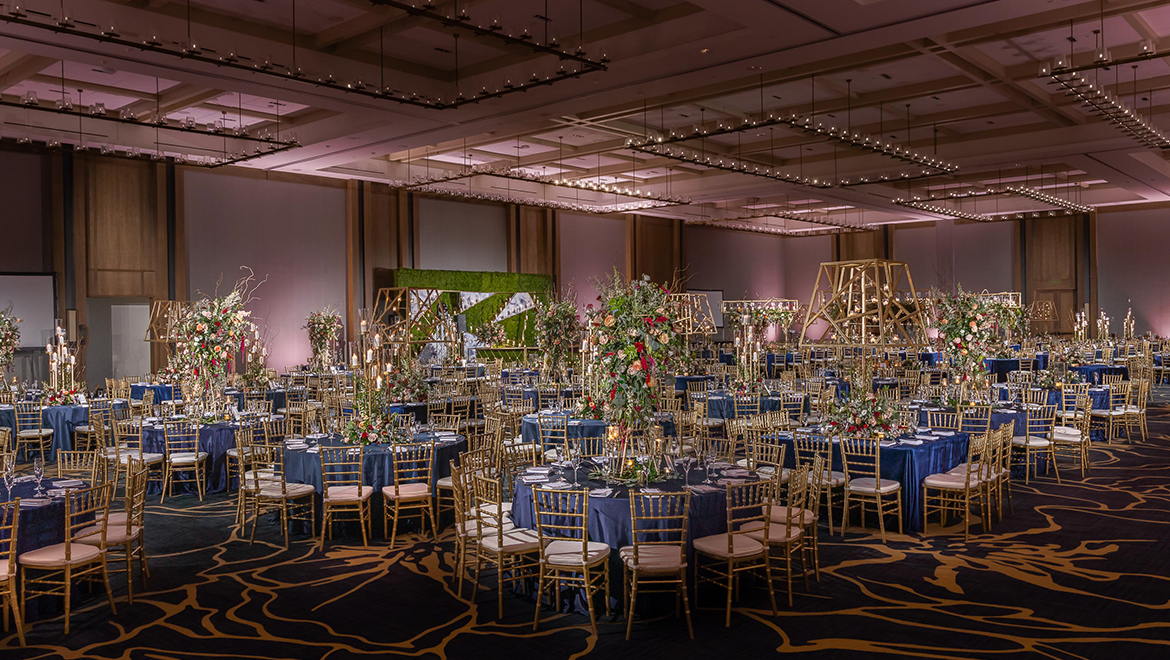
744 265
1133 270
802 260
591 247
291 233
919 249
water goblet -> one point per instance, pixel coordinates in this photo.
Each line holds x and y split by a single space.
39 473
709 460
9 477
575 454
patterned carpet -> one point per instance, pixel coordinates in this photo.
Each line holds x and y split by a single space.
1080 570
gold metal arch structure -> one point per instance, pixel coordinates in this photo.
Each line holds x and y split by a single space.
411 318
694 314
866 303
164 319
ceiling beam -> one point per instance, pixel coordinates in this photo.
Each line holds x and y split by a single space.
175 99
92 87
16 68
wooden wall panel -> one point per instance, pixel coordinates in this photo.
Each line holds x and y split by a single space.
656 248
1054 263
535 229
120 210
862 245
381 237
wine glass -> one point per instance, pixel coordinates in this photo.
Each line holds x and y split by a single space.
39 473
9 477
709 459
575 457
688 464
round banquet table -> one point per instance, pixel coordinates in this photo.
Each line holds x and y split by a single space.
277 395
469 371
579 428
680 382
304 465
215 439
161 392
515 376
1001 367
62 419
1092 372
721 404
906 463
532 394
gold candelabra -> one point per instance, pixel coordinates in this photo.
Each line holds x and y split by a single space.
62 363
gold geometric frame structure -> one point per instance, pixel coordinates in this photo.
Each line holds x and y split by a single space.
1010 298
860 301
1042 311
165 316
693 314
410 319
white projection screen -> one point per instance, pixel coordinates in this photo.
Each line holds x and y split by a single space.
34 301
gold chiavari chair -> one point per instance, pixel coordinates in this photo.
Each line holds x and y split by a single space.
183 457
721 558
98 414
864 485
656 559
942 420
510 551
268 490
343 489
1135 410
1035 440
1072 438
783 530
1069 395
567 556
9 535
29 432
958 491
747 404
554 430
125 532
410 494
807 447
51 570
1111 379
974 418
1034 396
1113 417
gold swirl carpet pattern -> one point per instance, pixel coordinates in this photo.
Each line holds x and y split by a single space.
1080 570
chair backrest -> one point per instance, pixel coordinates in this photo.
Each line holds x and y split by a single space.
447 421
28 415
82 508
182 436
862 458
947 421
562 515
747 502
275 430
413 463
658 519
86 465
554 428
1039 421
267 468
1034 395
137 476
808 446
816 466
764 449
747 404
1110 379
9 535
974 418
340 467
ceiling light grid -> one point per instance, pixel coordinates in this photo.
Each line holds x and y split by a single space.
1113 110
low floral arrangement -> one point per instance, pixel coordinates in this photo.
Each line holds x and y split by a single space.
324 326
741 386
635 470
492 335
866 414
589 408
366 431
634 329
1047 379
407 384
257 376
9 337
558 330
61 398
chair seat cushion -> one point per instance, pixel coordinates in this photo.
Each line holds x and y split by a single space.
710 421
234 452
512 541
833 478
489 511
445 482
1030 441
271 490
188 457
407 492
115 534
341 494
34 433
1070 414
84 428
774 532
716 546
950 481
471 528
53 556
568 553
654 558
1109 413
150 459
870 485
802 516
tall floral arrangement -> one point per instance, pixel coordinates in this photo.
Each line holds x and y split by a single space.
9 337
558 330
966 332
210 333
369 424
865 414
324 326
634 327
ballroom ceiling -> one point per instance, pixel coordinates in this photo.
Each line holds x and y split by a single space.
388 91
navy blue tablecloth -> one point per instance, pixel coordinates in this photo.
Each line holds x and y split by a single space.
304 466
215 439
62 419
680 382
721 404
1001 367
1092 372
578 428
277 395
161 392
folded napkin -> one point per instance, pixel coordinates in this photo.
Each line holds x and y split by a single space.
600 492
718 465
23 478
557 485
943 433
1006 411
317 436
68 483
703 488
534 479
296 445
737 472
56 492
539 469
34 502
576 422
908 441
313 450
887 443
924 436
730 482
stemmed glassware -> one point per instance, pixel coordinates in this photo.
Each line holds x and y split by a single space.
39 473
9 477
709 459
688 464
575 458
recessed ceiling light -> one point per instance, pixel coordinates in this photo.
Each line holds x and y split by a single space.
705 51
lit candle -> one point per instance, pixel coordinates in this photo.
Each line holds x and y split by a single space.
355 360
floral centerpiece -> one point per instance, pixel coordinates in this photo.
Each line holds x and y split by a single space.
589 408
256 376
9 337
748 386
210 333
966 333
492 334
369 425
557 332
61 397
634 331
324 326
865 414
1048 379
407 383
